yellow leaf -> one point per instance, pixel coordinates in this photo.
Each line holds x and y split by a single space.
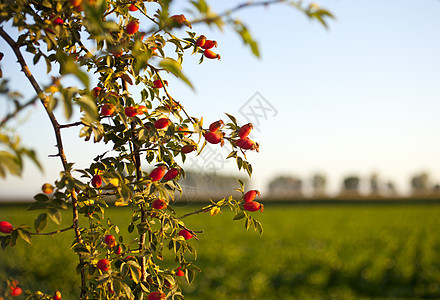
89 202
52 89
120 202
112 181
215 210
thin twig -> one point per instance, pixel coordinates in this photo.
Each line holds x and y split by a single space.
53 232
71 125
17 110
205 209
237 8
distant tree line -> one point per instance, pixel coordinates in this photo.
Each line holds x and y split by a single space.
197 186
289 186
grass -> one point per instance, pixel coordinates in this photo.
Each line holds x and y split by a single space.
307 252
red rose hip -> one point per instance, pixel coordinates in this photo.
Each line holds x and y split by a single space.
211 54
6 227
58 21
209 44
159 204
158 83
131 111
96 91
247 144
250 195
110 240
171 174
253 206
158 173
107 109
57 295
179 272
16 291
188 148
213 137
216 125
161 123
201 41
185 234
132 27
156 296
245 130
103 265
97 181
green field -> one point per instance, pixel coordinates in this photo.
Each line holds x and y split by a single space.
306 252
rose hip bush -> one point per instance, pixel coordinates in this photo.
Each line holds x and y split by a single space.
121 44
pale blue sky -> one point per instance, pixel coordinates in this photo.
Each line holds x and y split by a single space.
361 97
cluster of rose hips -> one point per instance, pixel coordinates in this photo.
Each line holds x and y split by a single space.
215 136
249 203
207 45
162 123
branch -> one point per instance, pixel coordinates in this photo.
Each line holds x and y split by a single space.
137 162
53 232
71 125
205 209
56 127
236 8
17 110
25 69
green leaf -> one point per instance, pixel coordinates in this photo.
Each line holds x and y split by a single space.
41 197
233 119
48 64
9 162
70 67
25 235
33 156
232 154
248 167
38 205
241 183
175 68
247 223
190 275
55 215
5 241
239 215
40 222
89 107
127 290
135 275
247 37
239 162
258 227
